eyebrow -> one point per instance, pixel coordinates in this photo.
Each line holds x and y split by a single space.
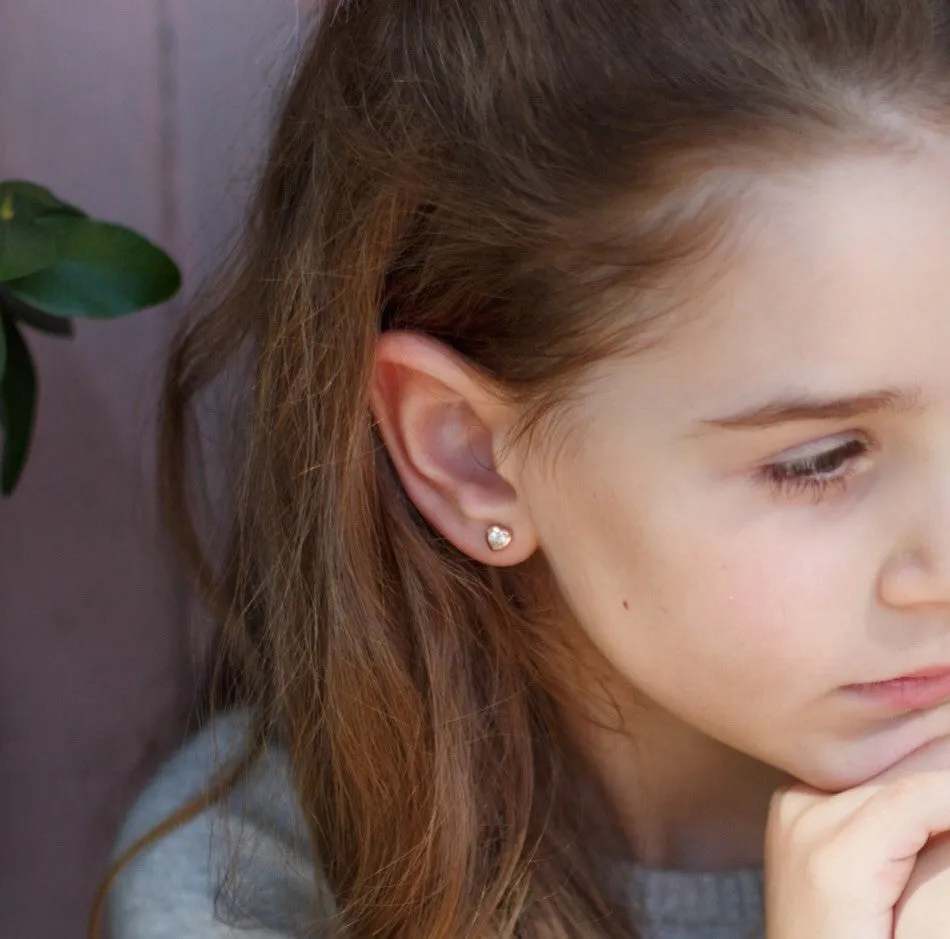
790 408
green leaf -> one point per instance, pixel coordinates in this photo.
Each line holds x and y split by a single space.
36 200
53 325
25 246
17 406
3 349
102 271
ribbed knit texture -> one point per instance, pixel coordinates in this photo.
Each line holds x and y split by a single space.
687 905
170 891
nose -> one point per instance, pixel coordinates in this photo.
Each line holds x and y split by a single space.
919 575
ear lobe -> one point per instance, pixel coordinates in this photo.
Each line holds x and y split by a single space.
441 428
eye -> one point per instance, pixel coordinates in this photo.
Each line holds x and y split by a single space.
818 474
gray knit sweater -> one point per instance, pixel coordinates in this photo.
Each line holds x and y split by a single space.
256 837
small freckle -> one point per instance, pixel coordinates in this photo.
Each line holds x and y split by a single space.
626 604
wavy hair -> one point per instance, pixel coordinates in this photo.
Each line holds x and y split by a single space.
498 175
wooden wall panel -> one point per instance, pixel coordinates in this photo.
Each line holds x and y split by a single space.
150 113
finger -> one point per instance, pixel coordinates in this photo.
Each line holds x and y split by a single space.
898 819
792 803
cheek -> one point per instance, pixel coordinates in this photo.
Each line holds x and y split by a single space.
664 576
779 608
747 608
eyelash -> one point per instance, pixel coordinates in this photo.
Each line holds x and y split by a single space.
797 476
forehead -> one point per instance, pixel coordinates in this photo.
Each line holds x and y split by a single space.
843 265
834 280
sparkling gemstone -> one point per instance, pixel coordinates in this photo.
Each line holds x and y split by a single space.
498 538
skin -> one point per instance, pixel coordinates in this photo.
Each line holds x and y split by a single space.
726 615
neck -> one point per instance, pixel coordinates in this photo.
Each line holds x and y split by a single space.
680 798
676 797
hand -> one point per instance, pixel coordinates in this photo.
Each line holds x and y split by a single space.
923 911
838 865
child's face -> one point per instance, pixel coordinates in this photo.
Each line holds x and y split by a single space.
741 610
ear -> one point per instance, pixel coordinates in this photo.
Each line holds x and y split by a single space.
445 432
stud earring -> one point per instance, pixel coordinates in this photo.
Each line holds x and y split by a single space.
498 538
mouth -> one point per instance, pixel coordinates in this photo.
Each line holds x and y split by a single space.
914 692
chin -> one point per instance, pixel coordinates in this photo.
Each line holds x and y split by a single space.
850 763
838 778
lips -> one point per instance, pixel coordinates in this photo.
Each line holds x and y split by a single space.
916 691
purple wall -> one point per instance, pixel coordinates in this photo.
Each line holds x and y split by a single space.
149 113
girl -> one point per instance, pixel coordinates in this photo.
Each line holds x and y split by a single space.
589 538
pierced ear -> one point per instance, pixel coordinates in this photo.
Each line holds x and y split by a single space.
443 430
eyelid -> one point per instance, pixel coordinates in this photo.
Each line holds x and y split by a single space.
849 451
788 479
823 446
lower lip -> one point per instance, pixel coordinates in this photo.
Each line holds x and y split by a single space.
907 694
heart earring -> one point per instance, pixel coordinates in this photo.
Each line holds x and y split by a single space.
498 538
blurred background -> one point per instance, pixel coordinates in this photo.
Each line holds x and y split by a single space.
152 114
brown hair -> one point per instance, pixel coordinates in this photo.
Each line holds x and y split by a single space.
487 173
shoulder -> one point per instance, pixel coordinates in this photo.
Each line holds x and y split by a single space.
241 868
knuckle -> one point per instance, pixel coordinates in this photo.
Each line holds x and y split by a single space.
798 834
789 802
897 793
